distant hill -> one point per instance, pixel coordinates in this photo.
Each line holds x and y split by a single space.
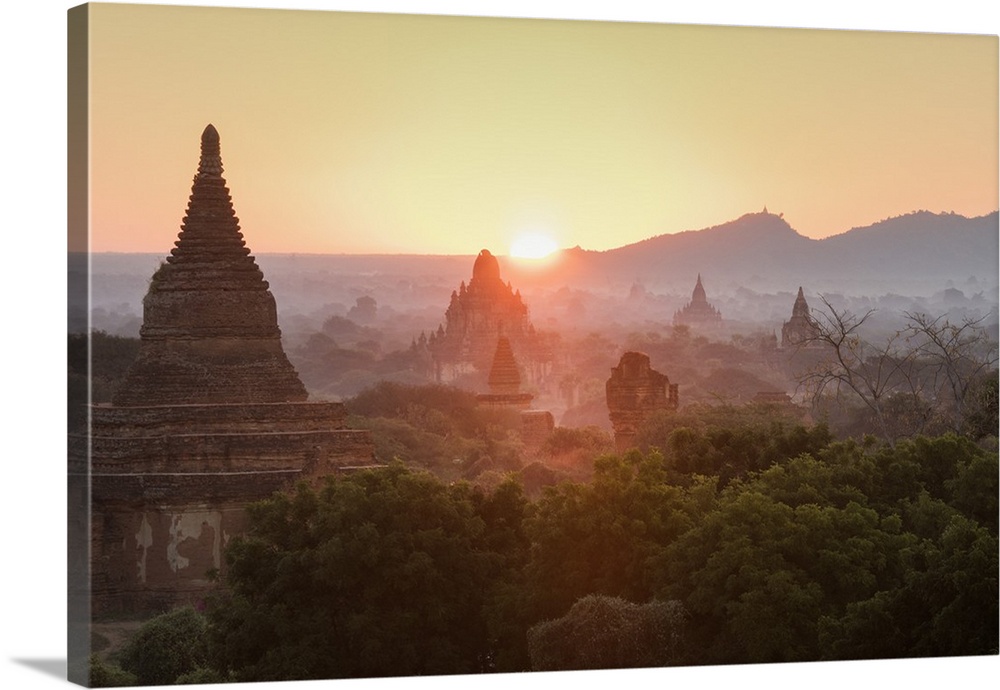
916 253
919 243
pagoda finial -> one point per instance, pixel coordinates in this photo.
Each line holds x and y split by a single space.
211 156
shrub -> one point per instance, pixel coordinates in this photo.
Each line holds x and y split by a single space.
104 675
608 632
166 647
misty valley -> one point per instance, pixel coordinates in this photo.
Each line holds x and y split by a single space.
350 322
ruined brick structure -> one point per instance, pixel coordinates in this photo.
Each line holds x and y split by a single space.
477 315
698 313
210 417
634 392
801 329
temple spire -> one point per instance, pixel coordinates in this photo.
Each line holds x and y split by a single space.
698 311
207 302
801 307
504 376
210 230
698 295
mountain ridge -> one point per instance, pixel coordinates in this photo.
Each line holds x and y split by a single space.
916 251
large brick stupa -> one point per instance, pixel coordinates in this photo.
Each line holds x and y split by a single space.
210 417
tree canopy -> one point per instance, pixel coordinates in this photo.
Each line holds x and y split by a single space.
814 549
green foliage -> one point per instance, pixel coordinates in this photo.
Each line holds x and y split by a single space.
777 544
589 439
817 558
982 407
974 490
457 408
384 572
105 675
436 427
729 444
946 603
608 632
166 647
397 439
200 676
757 573
596 538
572 450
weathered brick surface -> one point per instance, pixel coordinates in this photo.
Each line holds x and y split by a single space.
229 418
634 392
536 427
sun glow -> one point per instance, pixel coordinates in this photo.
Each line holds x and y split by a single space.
532 245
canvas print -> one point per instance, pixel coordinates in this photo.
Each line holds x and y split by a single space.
410 345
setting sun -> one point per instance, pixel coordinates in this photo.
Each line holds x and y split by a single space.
532 245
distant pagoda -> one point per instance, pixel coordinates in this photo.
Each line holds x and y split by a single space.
210 418
698 312
477 315
505 394
801 329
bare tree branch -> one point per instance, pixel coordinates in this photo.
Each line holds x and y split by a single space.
918 376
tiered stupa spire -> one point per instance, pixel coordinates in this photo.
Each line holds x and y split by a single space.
504 377
698 312
801 329
210 327
698 295
505 380
800 308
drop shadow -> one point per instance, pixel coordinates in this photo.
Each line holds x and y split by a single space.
51 667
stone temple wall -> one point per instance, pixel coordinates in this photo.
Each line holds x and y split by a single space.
167 499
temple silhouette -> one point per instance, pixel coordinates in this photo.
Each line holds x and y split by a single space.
801 329
698 313
478 314
210 417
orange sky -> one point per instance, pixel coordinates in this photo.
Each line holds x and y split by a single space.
375 133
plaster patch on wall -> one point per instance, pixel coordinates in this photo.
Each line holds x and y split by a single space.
143 540
188 525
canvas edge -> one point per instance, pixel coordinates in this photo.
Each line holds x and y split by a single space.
78 312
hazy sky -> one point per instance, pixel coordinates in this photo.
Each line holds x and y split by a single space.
374 133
